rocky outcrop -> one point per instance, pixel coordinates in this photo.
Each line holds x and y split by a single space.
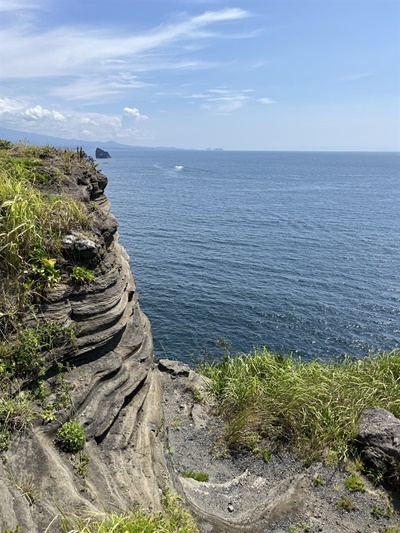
102 154
115 394
379 440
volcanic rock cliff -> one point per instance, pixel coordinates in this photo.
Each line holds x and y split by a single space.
115 393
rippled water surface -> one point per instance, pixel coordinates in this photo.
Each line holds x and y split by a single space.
296 251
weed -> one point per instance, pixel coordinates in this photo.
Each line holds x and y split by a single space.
354 483
318 481
263 452
28 489
346 503
300 527
82 274
198 476
5 438
26 485
81 461
380 511
71 437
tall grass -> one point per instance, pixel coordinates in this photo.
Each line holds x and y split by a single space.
311 407
33 221
175 519
30 218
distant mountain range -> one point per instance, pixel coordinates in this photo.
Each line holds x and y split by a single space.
37 138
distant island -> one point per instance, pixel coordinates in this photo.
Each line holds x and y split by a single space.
102 154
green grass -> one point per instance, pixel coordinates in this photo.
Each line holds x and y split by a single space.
198 476
354 483
30 218
311 407
174 519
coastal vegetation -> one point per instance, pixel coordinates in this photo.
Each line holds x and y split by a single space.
270 400
35 215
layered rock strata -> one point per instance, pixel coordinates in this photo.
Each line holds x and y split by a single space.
115 394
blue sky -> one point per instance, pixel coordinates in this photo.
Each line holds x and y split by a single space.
241 75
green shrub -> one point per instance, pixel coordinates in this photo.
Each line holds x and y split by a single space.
82 274
354 483
71 437
198 476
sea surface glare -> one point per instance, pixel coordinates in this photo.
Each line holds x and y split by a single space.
299 252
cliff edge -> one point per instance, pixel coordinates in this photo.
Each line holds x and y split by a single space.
107 374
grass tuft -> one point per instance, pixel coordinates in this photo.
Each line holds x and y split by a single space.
174 519
312 407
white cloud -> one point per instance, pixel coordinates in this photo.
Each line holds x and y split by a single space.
132 111
87 120
71 124
38 113
266 101
9 106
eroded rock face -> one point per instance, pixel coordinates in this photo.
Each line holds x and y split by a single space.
115 394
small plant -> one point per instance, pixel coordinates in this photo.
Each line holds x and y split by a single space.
82 274
263 452
28 488
393 529
71 437
346 503
318 481
299 527
354 483
5 438
81 461
379 511
198 476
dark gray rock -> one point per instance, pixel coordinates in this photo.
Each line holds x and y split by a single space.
102 154
80 249
379 436
173 367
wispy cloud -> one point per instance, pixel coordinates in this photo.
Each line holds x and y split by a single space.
356 76
225 100
18 5
27 53
266 101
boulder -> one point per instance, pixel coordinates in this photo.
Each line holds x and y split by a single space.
379 437
102 154
173 367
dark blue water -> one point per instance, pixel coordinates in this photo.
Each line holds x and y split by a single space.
299 252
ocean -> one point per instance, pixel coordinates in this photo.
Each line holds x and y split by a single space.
298 252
